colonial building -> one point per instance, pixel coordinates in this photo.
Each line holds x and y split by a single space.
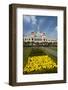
40 38
35 37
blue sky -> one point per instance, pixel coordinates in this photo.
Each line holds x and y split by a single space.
47 24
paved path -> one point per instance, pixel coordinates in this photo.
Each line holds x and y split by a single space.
50 51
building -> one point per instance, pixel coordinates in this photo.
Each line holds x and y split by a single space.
39 38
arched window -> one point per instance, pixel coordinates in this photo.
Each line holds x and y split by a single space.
44 39
32 39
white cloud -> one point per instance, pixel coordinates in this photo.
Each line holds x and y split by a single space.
41 21
33 19
27 19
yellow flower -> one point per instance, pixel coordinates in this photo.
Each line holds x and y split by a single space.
39 62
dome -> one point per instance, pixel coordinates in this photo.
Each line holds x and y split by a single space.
37 34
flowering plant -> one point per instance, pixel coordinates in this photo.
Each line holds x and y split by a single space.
38 64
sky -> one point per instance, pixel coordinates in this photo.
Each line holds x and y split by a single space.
45 24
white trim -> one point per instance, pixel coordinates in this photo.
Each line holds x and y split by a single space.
38 77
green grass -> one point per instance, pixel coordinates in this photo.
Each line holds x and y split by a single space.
53 57
37 52
26 52
53 48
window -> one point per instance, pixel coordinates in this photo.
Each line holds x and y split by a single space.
32 39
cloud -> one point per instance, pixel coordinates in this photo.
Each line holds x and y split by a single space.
41 21
33 19
30 19
44 24
27 19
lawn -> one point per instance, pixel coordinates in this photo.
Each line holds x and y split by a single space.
26 53
35 58
54 48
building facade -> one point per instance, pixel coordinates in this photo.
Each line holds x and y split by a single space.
39 38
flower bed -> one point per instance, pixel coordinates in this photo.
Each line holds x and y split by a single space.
40 64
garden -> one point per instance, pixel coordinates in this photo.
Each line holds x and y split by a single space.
38 61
